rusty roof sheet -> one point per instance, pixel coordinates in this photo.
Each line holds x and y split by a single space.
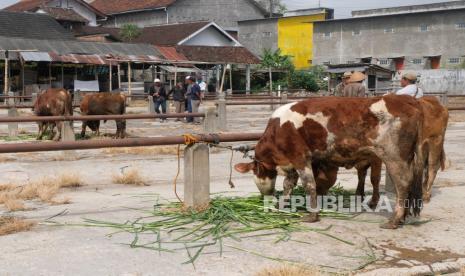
121 6
170 53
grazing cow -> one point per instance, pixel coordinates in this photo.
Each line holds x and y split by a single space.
104 104
342 131
52 102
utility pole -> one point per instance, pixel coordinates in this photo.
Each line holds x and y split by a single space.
271 8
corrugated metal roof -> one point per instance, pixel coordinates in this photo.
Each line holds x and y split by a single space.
173 69
171 53
35 56
62 47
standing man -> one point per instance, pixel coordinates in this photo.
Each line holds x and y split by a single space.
158 93
203 87
194 98
409 86
355 88
339 91
179 98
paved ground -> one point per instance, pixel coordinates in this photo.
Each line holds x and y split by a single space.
50 250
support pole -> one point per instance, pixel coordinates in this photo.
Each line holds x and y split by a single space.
230 79
12 112
129 82
50 74
62 76
196 176
222 112
247 79
209 123
119 77
6 85
151 105
34 98
110 84
284 98
273 94
222 79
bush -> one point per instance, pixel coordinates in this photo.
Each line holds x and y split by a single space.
303 80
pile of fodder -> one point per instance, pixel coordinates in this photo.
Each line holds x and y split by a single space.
170 227
45 190
129 177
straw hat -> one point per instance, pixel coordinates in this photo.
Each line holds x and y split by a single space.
357 76
347 75
410 76
157 81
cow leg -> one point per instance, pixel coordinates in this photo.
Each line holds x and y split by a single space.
376 166
290 181
362 174
123 129
401 175
435 151
57 135
309 184
120 129
83 129
325 177
40 135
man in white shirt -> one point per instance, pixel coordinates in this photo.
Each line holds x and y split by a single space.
409 86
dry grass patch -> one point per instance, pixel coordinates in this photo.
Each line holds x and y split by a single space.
156 150
129 177
5 159
70 180
289 270
13 204
11 225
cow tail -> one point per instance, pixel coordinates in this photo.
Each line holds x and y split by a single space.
443 159
415 195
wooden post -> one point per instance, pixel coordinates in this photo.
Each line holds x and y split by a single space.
6 87
230 78
271 80
222 79
50 74
129 82
247 79
175 75
12 112
62 76
119 77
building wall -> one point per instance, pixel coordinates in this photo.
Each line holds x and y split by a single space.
210 37
77 7
346 41
257 35
225 13
295 38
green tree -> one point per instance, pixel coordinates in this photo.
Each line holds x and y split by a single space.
276 60
129 32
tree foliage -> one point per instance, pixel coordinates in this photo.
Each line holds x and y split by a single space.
276 60
304 80
129 32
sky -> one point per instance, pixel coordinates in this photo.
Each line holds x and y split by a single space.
342 7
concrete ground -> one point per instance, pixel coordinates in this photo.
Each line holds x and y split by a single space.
435 245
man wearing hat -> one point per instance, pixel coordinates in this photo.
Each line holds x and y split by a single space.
158 93
355 88
339 91
409 86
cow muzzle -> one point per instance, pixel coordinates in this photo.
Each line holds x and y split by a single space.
266 186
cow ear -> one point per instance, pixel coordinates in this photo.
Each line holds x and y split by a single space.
245 167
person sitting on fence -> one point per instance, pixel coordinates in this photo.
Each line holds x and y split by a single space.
158 93
409 86
355 88
339 91
194 98
179 98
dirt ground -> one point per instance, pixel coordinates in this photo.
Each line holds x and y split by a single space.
431 244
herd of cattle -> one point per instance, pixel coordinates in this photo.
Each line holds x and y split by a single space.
59 102
311 139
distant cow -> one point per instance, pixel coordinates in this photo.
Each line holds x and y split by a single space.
52 102
340 131
104 104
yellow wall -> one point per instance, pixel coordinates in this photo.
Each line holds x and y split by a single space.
295 38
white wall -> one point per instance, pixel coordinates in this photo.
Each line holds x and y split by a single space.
78 8
210 37
441 80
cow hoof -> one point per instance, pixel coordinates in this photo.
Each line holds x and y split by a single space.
427 198
373 204
311 218
389 225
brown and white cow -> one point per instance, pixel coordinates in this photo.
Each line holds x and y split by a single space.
436 118
104 104
52 102
341 131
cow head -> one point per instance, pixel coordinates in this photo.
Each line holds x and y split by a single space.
264 175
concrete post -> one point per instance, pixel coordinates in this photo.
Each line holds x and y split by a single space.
34 98
284 98
273 94
196 176
12 112
67 132
77 97
209 123
151 105
445 99
222 112
247 79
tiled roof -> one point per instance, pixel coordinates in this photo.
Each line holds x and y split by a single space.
64 14
120 6
32 25
26 5
170 34
225 54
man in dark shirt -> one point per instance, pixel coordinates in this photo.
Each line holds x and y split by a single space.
158 93
194 98
179 98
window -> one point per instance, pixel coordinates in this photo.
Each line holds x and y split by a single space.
424 28
454 60
417 61
326 63
266 34
460 25
327 35
384 62
356 33
388 30
310 62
